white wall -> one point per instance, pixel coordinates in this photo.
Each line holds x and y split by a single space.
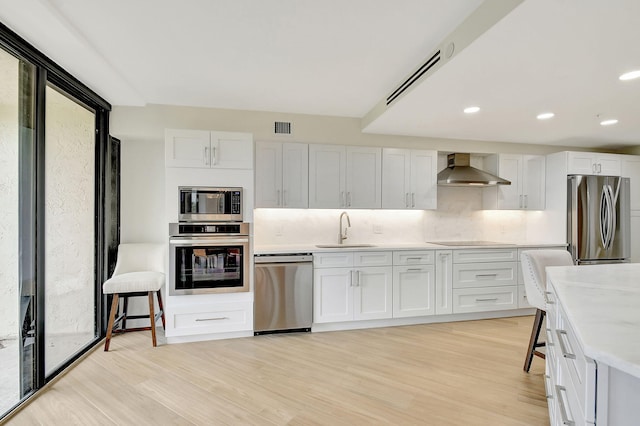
459 214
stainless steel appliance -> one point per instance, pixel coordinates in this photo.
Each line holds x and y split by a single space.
206 204
208 258
598 219
283 299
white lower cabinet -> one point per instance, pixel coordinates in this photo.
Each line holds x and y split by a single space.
483 281
413 284
208 318
352 292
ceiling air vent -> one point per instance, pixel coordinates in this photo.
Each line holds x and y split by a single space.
414 77
282 128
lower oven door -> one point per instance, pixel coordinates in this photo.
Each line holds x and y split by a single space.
208 265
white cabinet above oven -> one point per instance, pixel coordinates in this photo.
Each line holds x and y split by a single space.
208 149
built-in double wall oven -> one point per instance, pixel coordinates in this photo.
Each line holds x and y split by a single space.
209 256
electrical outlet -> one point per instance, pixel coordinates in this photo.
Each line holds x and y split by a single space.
377 229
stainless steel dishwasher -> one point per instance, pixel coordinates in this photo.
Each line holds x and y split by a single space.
283 294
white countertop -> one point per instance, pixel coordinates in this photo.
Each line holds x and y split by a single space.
602 303
311 248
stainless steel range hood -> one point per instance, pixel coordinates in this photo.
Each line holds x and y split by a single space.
460 173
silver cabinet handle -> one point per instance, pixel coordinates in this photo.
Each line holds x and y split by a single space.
413 199
563 348
406 199
526 201
213 155
563 409
547 387
351 280
349 199
593 168
414 270
599 168
487 299
212 319
486 275
206 155
548 299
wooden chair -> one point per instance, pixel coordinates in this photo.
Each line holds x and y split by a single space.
139 271
533 264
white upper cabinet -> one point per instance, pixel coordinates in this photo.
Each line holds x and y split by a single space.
206 149
409 179
631 169
527 176
593 163
344 177
282 173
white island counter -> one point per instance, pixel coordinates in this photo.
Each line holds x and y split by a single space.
593 359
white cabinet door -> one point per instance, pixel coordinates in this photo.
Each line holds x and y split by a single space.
533 182
268 177
592 163
444 282
396 178
510 168
295 175
424 174
373 293
187 148
327 178
332 295
364 177
609 164
231 150
413 291
631 169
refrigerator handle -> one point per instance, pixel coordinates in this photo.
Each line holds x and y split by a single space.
612 216
604 217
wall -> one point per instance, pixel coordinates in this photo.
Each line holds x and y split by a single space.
141 130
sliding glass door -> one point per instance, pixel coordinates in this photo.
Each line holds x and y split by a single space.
69 230
57 174
17 314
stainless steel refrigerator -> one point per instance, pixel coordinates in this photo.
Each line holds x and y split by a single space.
598 219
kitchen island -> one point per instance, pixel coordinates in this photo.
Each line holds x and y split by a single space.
593 352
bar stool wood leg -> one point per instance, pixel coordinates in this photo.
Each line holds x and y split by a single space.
112 317
533 341
152 317
159 296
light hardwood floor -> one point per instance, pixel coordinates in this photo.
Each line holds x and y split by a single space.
464 373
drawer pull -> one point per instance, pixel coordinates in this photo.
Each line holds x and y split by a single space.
212 319
563 348
488 299
486 275
548 295
414 258
414 270
547 386
563 409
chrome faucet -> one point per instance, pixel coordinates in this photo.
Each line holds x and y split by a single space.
343 236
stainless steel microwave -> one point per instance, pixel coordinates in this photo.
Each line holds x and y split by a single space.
208 204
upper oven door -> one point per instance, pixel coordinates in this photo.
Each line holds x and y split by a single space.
197 204
208 265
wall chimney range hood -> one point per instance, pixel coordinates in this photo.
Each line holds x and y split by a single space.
460 173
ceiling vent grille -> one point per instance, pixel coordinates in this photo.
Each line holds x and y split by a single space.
414 77
282 128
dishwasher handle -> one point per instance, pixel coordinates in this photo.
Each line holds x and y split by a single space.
284 258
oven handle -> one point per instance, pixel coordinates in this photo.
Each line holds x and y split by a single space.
206 241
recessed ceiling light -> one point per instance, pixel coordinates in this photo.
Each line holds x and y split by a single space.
545 116
608 122
471 109
630 75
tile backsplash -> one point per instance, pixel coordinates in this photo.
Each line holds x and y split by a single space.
459 217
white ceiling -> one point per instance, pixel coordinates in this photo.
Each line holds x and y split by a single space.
342 57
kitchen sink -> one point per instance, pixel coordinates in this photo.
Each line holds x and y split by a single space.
343 245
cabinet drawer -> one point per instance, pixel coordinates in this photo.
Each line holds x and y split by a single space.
485 255
333 260
223 317
484 274
372 258
484 299
413 257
